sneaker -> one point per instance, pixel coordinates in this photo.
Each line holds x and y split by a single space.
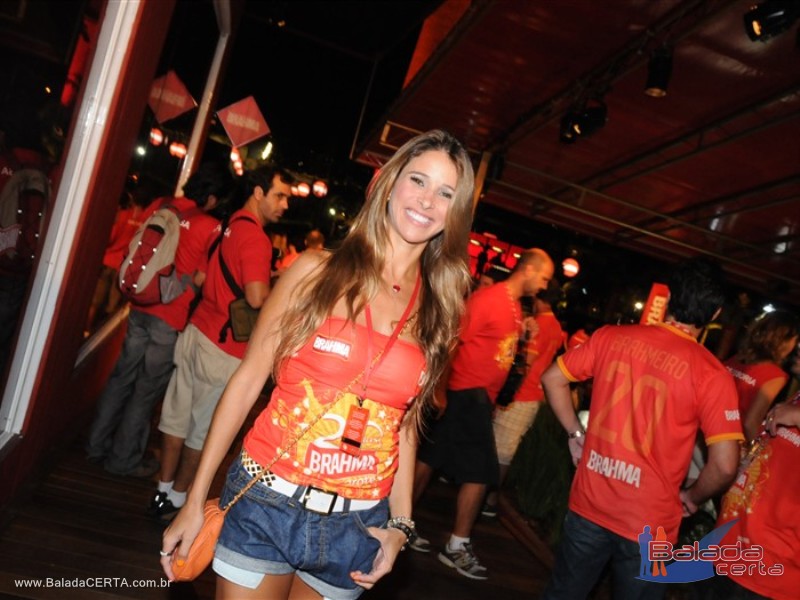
464 561
489 510
420 544
161 508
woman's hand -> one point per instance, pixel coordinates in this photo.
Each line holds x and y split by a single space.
392 541
782 414
179 536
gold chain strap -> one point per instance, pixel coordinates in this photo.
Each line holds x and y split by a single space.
257 476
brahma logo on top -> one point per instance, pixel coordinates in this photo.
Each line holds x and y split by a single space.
661 562
243 122
169 97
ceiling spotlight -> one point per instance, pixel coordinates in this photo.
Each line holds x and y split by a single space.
568 132
583 122
770 18
659 71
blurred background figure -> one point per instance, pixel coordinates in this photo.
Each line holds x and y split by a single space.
763 499
106 294
756 368
512 422
314 241
25 203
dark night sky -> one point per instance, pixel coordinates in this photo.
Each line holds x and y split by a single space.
308 65
310 77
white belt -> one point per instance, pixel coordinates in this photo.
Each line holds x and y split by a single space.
312 498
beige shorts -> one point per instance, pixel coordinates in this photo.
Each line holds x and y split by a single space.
201 373
510 424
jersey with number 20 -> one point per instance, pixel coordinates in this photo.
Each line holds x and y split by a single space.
653 386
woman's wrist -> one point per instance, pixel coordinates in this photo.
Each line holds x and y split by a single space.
404 525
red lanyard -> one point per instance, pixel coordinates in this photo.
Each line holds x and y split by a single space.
392 339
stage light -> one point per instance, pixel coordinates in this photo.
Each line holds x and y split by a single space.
177 149
303 189
567 133
570 267
770 18
156 136
659 71
583 122
319 189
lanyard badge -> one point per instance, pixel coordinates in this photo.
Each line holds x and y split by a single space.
358 417
354 429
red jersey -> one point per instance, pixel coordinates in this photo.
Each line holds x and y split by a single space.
311 382
750 378
653 386
196 227
247 252
577 338
542 348
764 499
125 226
488 340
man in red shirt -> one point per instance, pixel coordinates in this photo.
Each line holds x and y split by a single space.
118 435
513 421
653 386
461 443
207 354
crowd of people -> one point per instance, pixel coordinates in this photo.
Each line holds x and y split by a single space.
347 445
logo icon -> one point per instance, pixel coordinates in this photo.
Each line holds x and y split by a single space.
661 562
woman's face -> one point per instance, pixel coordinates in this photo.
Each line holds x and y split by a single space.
421 197
785 349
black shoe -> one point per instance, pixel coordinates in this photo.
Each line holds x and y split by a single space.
489 510
162 508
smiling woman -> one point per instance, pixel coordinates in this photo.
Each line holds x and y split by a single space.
356 340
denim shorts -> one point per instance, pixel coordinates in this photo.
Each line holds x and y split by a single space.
268 533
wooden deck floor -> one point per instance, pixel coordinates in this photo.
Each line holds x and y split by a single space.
82 526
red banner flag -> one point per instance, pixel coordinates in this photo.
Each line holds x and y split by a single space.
656 308
243 122
169 97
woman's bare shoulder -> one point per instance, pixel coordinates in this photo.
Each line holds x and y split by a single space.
308 264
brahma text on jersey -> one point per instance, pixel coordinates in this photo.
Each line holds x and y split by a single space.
335 462
613 468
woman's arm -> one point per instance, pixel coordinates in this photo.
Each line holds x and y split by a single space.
752 420
235 404
392 540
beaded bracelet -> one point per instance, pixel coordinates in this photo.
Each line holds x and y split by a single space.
406 525
405 520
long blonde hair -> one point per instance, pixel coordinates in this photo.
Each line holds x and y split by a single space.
353 271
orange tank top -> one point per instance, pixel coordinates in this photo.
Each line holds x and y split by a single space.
312 382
